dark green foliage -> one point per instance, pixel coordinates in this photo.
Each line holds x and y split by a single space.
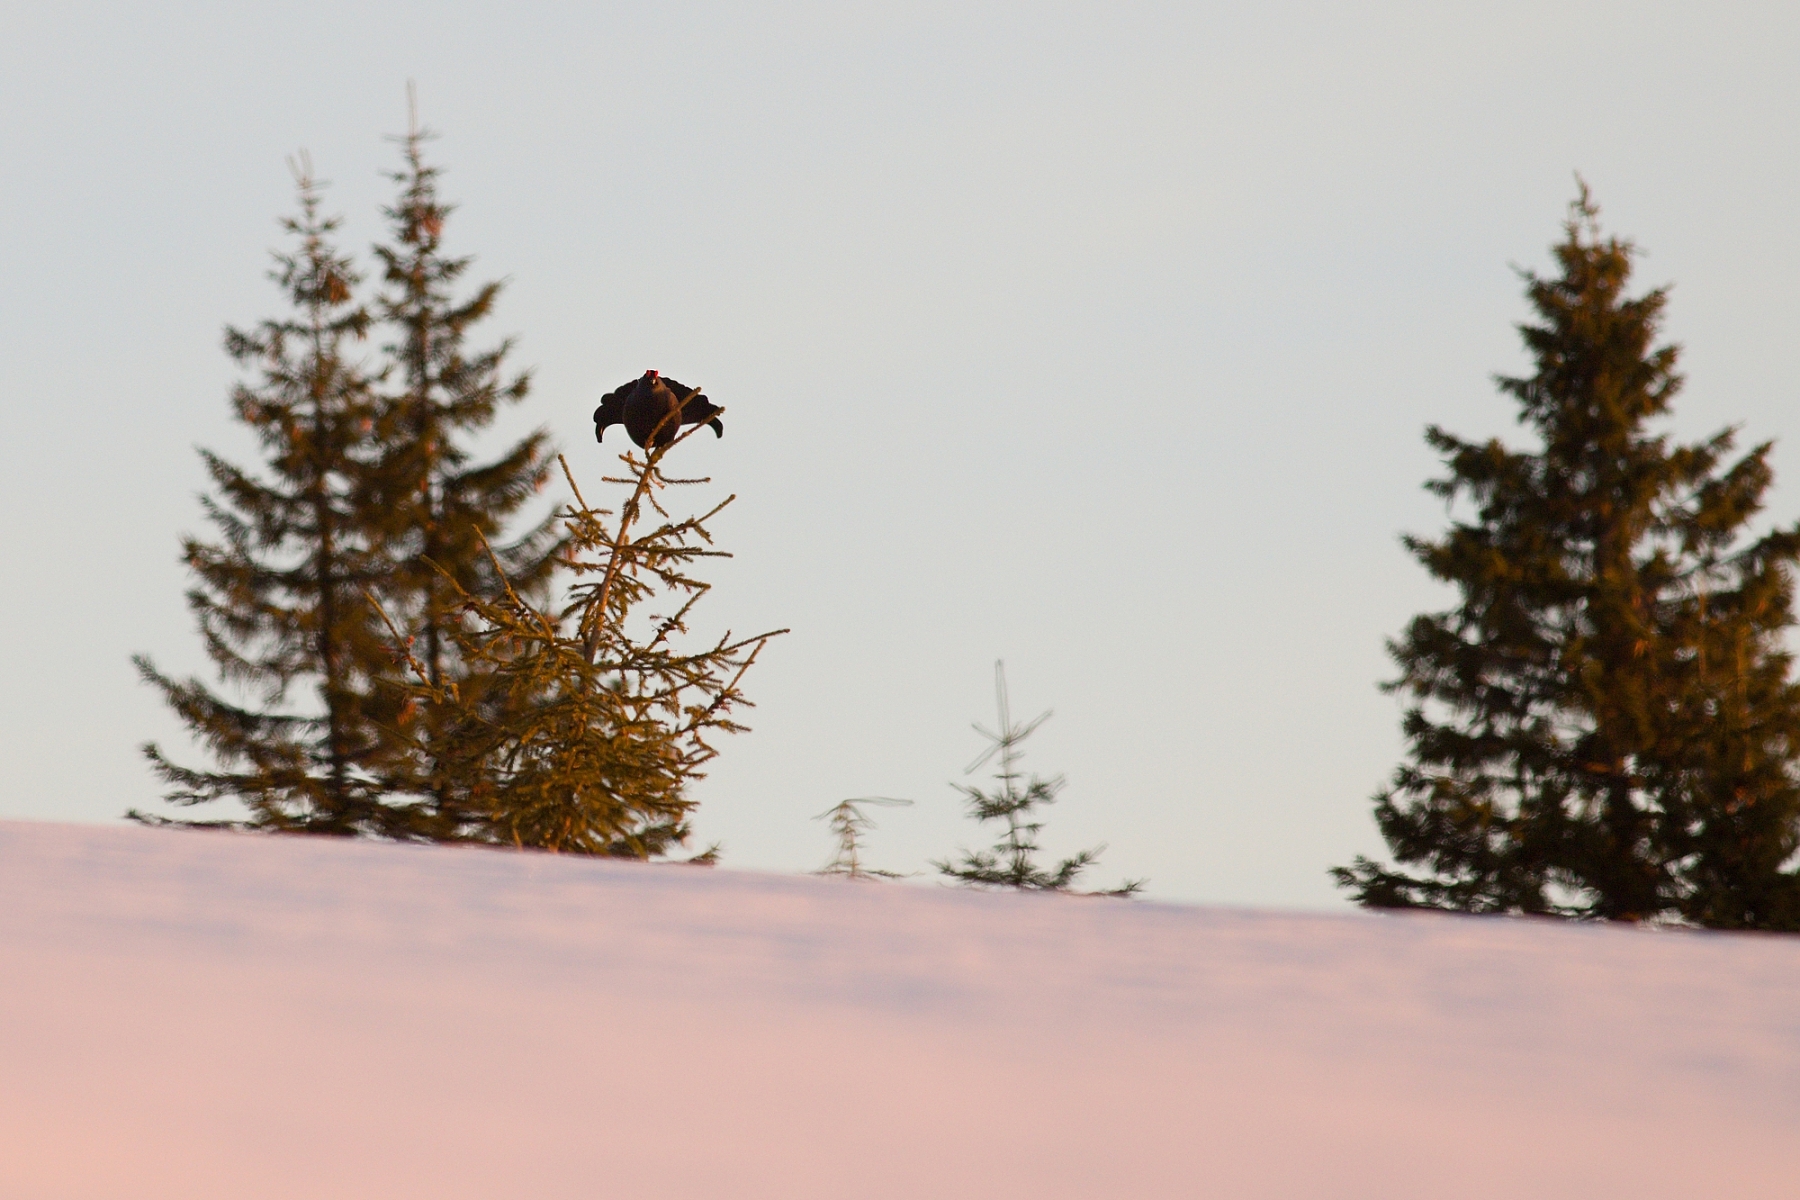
1013 862
848 823
581 733
1604 726
279 596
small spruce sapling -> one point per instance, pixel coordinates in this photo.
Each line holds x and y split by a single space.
1013 860
848 823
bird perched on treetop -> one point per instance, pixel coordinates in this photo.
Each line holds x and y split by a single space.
655 407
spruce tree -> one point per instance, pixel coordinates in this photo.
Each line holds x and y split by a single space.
848 823
1012 862
280 595
580 731
1604 725
441 508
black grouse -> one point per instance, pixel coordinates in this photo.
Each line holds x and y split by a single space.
655 408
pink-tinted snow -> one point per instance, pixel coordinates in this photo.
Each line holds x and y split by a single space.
228 1017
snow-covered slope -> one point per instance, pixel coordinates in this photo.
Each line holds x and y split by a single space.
201 1016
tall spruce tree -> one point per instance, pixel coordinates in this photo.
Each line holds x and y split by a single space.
1605 724
280 595
440 508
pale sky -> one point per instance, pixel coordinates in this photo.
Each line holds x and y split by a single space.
1098 338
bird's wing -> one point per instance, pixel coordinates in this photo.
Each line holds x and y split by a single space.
611 410
696 409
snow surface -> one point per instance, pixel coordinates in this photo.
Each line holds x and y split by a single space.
200 1015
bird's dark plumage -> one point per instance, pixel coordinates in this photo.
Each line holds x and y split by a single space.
654 407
